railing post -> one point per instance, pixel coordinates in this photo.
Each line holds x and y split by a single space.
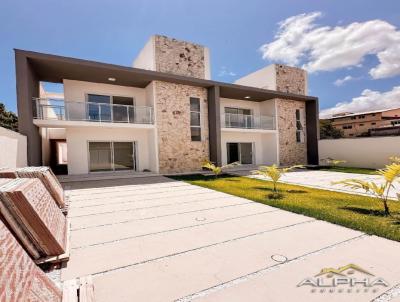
127 113
99 112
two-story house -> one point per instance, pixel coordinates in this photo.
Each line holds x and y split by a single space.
164 114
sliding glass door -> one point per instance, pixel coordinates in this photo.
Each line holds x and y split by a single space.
111 156
240 152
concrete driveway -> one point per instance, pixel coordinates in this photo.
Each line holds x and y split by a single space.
155 239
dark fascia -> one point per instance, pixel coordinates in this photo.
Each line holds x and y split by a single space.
54 68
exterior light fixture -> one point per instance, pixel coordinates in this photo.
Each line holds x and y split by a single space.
247 97
111 79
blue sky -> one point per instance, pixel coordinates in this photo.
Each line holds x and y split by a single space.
115 31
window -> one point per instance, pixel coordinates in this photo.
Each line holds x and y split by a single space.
347 127
353 117
299 127
238 118
361 125
107 108
111 156
373 114
195 123
361 116
373 123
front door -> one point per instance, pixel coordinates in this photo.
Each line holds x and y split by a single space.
240 152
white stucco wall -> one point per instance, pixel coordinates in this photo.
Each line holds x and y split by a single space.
263 78
369 152
146 57
78 138
13 149
264 145
76 91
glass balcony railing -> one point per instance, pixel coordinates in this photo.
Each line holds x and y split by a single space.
233 120
59 109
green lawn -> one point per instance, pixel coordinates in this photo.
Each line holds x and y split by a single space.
353 211
350 170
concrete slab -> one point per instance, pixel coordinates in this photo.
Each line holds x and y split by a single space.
156 239
280 284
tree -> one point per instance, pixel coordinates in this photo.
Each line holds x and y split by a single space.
390 174
327 130
8 119
274 173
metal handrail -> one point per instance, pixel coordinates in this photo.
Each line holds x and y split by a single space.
59 109
245 121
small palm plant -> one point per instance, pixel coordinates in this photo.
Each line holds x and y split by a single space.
274 173
216 169
334 162
390 174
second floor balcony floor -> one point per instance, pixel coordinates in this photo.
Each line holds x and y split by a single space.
100 112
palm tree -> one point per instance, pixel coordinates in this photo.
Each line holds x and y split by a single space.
274 173
390 174
216 169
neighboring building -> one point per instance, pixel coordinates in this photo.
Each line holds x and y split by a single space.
360 124
163 114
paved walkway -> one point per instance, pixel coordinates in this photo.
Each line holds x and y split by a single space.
324 179
155 239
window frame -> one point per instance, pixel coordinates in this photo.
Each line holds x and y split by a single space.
299 126
200 120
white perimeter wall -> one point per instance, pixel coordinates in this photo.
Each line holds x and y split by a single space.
78 138
264 145
369 152
13 149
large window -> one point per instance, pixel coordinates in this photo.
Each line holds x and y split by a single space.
238 118
195 122
299 126
107 108
111 156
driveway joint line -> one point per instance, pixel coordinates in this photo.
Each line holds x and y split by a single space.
200 248
161 216
252 275
175 229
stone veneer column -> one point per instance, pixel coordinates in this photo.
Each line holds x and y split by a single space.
291 80
177 153
179 57
290 151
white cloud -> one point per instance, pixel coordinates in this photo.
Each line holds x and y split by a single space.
367 101
340 82
300 41
225 72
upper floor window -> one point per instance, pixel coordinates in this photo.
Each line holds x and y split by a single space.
361 116
353 117
347 127
110 108
195 123
299 126
238 117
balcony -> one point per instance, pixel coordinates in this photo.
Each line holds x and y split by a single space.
242 121
88 112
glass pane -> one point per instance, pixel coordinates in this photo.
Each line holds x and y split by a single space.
120 113
122 100
195 118
99 107
231 110
123 156
233 152
244 111
194 104
195 133
297 114
246 154
100 156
